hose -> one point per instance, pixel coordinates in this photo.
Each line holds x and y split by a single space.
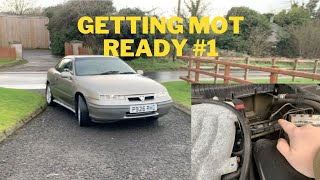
305 96
301 90
246 135
315 105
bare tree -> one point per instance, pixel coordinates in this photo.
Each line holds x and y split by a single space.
258 45
196 7
306 39
18 7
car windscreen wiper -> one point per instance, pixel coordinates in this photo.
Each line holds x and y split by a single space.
109 72
128 73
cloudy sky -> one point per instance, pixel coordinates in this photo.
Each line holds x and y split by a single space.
217 7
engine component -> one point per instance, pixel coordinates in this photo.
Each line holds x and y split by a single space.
212 137
271 164
263 128
303 119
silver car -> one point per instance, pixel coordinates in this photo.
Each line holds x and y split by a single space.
105 89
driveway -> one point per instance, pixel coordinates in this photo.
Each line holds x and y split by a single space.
31 75
53 146
39 60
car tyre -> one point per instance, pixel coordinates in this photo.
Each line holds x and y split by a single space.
83 113
49 97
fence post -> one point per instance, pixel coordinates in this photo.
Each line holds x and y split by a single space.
295 67
197 73
315 69
216 70
226 73
189 67
274 77
246 73
274 62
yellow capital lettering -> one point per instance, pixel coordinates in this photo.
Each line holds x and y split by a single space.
111 45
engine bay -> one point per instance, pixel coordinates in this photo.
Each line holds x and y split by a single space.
258 109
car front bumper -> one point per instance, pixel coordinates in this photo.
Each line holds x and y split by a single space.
112 113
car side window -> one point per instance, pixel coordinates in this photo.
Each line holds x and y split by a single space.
68 65
64 64
59 64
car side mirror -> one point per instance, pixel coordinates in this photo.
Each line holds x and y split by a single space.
66 74
140 72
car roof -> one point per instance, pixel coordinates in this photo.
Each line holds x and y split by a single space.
88 56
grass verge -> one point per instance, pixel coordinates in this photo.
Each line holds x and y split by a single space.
17 105
180 91
5 63
282 65
267 81
156 64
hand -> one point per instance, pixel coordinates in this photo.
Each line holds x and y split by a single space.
303 148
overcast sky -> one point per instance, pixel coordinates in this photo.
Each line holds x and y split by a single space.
217 7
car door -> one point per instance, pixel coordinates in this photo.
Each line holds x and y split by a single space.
55 78
66 85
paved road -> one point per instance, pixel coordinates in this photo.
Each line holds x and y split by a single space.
39 60
33 74
53 146
36 80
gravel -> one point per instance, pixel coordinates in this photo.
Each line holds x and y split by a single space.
53 146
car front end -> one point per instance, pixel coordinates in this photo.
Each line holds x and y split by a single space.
110 108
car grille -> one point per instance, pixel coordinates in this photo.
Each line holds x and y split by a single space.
137 99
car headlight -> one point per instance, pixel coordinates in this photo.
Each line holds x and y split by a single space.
161 94
112 97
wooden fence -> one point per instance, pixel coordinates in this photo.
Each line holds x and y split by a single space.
194 65
32 32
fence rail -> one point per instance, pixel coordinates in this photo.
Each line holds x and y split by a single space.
274 70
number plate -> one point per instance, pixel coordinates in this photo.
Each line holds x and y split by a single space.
143 108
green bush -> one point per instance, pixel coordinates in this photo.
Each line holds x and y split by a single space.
250 39
63 20
57 43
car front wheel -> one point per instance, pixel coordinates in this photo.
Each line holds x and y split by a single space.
83 112
49 96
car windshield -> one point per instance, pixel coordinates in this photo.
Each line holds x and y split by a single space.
101 66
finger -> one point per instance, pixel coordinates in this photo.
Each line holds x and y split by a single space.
284 148
287 126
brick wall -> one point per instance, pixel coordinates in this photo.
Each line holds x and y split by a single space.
85 51
68 49
8 53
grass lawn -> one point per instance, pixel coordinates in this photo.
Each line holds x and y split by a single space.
280 81
6 61
9 62
156 64
283 65
16 105
180 91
